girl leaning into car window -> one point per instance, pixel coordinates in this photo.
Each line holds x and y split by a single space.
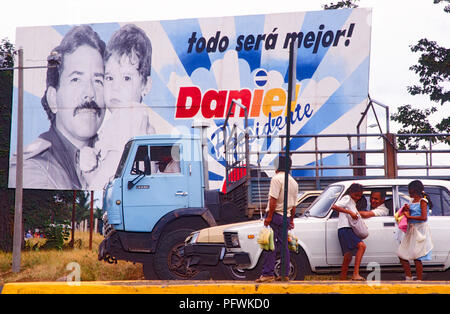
351 244
416 244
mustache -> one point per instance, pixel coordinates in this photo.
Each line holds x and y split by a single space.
88 105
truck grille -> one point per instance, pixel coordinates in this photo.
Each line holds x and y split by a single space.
107 228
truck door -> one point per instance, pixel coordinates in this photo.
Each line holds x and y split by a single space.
153 184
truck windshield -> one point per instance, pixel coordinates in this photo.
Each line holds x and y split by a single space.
123 159
323 203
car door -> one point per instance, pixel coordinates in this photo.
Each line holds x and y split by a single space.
381 244
439 222
149 194
333 248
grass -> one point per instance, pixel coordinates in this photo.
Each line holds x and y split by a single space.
54 265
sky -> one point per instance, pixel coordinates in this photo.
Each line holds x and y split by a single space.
396 25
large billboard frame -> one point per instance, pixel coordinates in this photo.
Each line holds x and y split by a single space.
196 68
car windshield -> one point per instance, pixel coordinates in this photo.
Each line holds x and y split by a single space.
323 203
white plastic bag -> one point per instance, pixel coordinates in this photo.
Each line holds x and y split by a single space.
265 239
359 226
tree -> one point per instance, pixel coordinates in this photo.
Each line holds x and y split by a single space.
7 53
433 68
447 7
83 209
341 4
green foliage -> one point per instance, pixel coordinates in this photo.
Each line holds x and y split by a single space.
56 234
447 7
433 69
415 121
341 4
7 52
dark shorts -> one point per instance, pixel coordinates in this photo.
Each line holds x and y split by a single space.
348 240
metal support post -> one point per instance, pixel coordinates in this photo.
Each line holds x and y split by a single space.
390 148
291 98
18 236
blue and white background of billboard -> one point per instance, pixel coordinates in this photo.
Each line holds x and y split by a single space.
199 64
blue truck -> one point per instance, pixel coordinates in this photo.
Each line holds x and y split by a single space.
157 197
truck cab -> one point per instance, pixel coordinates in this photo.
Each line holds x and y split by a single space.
151 168
154 201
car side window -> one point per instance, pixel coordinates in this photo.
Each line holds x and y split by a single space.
439 197
140 163
322 205
441 200
166 158
300 209
404 196
446 202
435 194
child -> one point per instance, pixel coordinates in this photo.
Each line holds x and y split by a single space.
127 80
351 244
416 244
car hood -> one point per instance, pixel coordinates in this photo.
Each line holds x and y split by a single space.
255 226
215 234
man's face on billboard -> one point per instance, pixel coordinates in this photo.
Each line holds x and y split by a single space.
78 102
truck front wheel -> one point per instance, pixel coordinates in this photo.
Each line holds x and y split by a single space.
170 262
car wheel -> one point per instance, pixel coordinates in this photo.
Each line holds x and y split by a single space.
233 272
169 257
293 267
301 264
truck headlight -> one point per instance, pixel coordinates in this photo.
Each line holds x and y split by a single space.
231 239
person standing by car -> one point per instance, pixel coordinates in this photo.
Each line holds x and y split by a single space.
350 243
274 219
416 245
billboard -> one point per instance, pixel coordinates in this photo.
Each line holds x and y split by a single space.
113 81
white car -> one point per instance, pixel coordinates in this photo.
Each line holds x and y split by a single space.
205 248
316 230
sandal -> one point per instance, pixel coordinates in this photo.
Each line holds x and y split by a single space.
265 279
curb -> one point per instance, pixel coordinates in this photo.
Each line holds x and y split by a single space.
202 287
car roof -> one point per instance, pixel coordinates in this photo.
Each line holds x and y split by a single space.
387 182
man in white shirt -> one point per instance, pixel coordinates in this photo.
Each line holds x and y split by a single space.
274 218
377 206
